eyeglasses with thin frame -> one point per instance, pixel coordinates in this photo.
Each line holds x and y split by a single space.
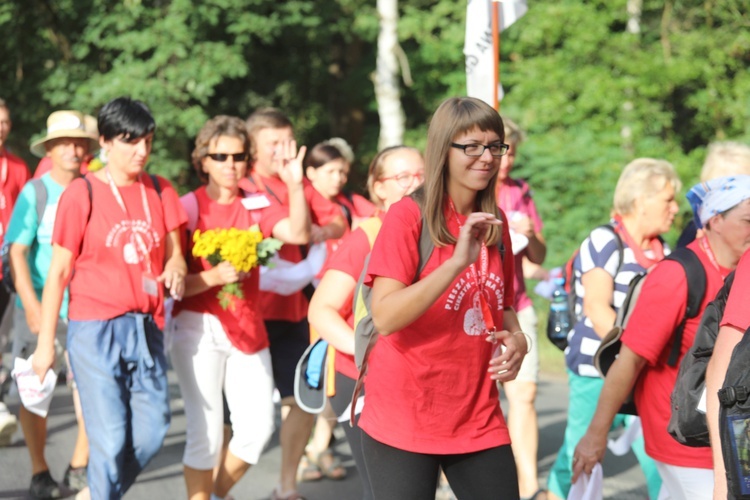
497 149
222 157
405 179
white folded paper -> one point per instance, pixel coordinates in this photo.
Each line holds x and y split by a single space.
35 394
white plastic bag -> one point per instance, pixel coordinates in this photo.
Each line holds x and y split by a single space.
36 395
588 486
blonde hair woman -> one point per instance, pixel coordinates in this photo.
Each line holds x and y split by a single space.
644 207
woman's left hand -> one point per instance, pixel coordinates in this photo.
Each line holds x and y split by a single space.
174 281
505 367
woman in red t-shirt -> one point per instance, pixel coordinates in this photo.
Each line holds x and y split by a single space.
394 173
328 171
118 229
432 376
230 345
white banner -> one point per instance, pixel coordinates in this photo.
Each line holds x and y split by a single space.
478 44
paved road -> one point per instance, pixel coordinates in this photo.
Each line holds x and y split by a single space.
163 477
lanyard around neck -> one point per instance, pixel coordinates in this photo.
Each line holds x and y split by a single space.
480 278
121 202
706 246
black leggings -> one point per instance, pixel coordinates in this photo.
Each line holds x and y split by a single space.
402 475
339 403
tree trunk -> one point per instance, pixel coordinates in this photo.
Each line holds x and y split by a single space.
387 93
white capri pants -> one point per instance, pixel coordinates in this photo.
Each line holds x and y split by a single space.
685 483
205 361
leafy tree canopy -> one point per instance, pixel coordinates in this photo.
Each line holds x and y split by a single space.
590 94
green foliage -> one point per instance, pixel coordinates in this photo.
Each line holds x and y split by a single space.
590 94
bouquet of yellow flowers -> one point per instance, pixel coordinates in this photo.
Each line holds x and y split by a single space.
243 248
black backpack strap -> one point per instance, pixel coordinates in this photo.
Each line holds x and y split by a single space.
696 283
155 182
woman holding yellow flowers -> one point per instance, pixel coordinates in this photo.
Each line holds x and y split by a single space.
219 339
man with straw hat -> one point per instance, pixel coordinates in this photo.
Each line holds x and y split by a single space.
45 164
66 144
13 175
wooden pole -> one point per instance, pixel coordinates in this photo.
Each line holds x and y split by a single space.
496 51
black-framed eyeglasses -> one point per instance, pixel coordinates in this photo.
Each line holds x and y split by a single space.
497 149
405 179
222 157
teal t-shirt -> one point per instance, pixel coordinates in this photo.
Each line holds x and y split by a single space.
25 229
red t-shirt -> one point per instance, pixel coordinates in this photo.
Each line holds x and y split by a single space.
322 211
243 323
349 258
736 312
108 278
16 175
428 390
650 332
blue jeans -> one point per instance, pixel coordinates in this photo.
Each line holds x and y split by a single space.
120 371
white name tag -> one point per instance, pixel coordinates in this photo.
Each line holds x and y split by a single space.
256 201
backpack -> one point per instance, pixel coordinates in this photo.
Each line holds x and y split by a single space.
687 424
365 336
734 420
610 345
568 274
40 191
41 204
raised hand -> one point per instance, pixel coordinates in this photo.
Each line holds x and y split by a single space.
290 162
471 236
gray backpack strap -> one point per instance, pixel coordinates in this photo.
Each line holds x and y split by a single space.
40 191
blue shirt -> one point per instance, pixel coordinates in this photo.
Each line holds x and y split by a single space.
25 228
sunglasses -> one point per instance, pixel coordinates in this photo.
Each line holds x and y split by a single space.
222 157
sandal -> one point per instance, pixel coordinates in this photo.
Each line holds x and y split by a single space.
539 494
293 495
329 465
308 471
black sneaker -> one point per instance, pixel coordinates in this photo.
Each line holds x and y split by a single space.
44 487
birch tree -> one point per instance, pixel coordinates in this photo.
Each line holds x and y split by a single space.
385 79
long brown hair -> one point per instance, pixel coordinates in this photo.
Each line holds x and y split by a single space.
453 117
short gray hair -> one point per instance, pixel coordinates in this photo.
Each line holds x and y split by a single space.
643 177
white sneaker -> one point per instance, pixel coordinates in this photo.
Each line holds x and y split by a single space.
8 425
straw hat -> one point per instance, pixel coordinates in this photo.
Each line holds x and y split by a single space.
68 123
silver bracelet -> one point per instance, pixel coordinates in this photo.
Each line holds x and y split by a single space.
528 340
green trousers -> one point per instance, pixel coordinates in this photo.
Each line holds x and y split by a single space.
583 397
